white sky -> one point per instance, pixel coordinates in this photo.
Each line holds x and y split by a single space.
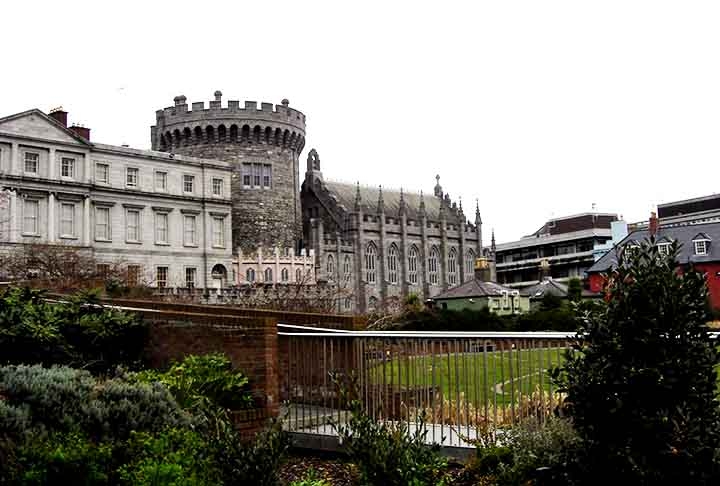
537 108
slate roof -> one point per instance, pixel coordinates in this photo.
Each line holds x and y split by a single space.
345 194
547 286
682 234
474 288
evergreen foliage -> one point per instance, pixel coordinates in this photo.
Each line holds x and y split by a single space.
76 332
641 382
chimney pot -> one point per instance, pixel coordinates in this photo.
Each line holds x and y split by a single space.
653 224
59 115
81 131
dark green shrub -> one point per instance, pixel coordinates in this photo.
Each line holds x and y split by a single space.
38 400
311 479
641 384
199 381
390 453
174 456
61 459
76 332
257 461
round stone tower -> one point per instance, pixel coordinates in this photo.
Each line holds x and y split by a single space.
263 144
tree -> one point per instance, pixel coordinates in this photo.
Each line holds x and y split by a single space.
574 290
641 383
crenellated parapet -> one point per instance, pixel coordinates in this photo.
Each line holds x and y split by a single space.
250 124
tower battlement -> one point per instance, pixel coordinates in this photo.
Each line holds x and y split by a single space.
267 123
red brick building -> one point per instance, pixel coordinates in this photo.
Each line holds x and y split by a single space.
700 247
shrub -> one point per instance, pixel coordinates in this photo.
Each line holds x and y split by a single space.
199 381
255 462
641 384
174 456
387 453
311 479
77 332
38 400
61 459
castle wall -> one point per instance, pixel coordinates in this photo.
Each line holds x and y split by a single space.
262 144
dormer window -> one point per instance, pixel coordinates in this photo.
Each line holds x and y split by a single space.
701 244
701 247
663 249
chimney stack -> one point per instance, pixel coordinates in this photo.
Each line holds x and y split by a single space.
81 131
482 270
59 115
544 269
653 224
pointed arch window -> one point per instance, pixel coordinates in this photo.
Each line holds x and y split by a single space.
347 268
284 275
433 265
268 275
370 264
413 265
452 267
298 275
330 267
250 275
392 263
469 264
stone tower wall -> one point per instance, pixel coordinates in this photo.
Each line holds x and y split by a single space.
270 135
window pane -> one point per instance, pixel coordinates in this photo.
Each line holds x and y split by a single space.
67 220
31 211
102 222
189 230
161 227
31 162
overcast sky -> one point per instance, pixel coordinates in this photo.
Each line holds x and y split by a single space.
536 108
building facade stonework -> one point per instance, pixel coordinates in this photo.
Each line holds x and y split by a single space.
262 145
166 218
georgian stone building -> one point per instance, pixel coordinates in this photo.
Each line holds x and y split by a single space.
165 217
384 244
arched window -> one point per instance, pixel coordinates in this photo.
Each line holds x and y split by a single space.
210 131
198 135
187 136
285 275
392 264
250 275
347 268
452 267
268 275
298 275
370 254
413 265
469 264
330 267
433 266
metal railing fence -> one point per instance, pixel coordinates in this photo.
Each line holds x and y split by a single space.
460 386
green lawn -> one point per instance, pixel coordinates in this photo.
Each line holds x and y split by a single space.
494 377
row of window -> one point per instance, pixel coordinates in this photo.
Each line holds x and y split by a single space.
134 273
370 258
133 226
250 275
257 176
701 247
132 175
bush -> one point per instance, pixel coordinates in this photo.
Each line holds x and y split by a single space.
311 479
61 459
201 381
77 332
641 384
175 456
37 401
255 462
387 453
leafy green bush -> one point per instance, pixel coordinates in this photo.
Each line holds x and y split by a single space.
38 400
311 479
256 461
641 384
175 456
389 453
76 332
199 381
61 459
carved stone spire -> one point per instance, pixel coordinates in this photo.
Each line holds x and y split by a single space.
438 187
381 202
422 204
478 219
492 241
358 199
403 208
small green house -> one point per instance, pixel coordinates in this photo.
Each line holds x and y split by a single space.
477 295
